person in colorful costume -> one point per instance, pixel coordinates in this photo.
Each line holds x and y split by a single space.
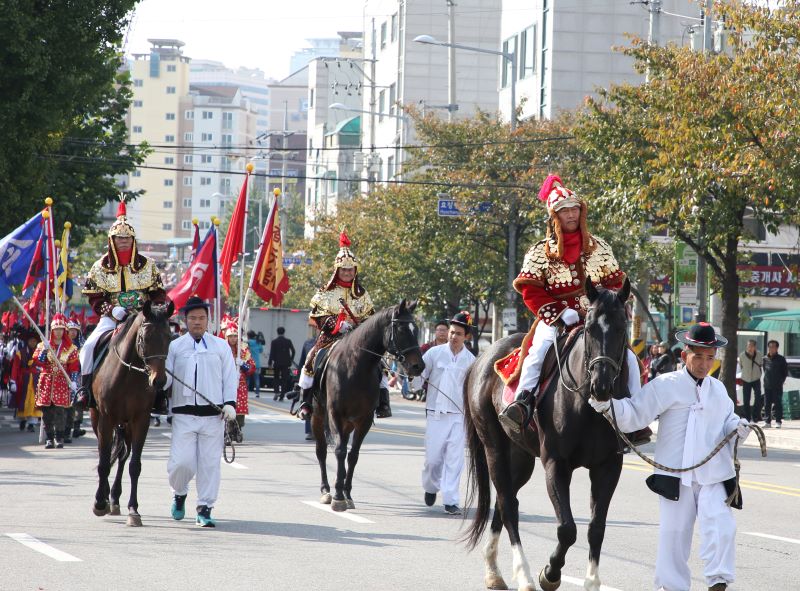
336 309
54 391
23 380
74 415
552 284
246 365
121 281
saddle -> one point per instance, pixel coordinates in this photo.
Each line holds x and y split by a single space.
101 349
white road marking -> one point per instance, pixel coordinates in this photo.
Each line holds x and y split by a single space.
408 412
39 546
771 537
579 582
236 465
346 514
169 435
796 465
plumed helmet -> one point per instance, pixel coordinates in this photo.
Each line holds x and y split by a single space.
58 321
556 196
230 326
122 226
345 259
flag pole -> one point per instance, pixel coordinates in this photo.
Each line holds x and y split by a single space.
46 215
45 340
218 300
242 294
65 257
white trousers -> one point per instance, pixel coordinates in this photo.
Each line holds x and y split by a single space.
444 455
86 354
543 338
197 444
706 503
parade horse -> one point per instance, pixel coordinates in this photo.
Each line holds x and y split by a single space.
124 387
347 390
567 434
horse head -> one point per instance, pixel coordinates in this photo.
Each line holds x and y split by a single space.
606 340
400 340
153 339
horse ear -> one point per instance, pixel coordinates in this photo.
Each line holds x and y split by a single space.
591 290
412 306
170 309
402 307
624 293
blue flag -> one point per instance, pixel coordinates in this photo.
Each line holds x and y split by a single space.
16 252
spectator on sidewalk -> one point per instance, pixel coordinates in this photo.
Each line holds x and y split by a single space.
750 361
256 349
776 371
662 364
281 357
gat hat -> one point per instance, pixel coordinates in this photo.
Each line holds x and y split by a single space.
701 335
194 303
462 319
345 259
58 321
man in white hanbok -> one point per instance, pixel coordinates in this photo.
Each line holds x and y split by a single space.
445 369
694 414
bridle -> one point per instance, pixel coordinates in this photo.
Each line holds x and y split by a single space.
392 348
139 348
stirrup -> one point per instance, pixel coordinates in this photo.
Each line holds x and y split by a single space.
515 416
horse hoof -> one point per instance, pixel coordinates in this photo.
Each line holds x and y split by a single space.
101 511
495 582
114 510
134 520
350 504
548 585
325 499
339 506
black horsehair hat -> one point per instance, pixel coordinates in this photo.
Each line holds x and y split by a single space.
194 303
462 319
701 335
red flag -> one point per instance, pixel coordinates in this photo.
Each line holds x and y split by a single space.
37 298
196 241
269 279
200 278
233 246
36 268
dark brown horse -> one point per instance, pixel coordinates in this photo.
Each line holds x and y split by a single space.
124 387
348 391
570 435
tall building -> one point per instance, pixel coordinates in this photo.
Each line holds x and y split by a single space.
347 44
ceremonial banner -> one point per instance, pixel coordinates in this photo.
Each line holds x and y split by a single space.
233 246
269 279
16 252
200 278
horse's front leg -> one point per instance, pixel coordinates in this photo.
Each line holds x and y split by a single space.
138 436
318 429
120 449
104 429
559 477
352 459
604 480
342 438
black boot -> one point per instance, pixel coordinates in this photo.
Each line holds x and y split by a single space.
517 414
83 396
384 410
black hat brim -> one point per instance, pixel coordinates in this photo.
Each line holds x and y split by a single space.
683 337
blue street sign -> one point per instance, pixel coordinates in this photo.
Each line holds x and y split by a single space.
448 208
309 260
287 261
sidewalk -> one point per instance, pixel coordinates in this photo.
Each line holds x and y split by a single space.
787 437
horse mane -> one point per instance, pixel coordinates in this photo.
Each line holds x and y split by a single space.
359 337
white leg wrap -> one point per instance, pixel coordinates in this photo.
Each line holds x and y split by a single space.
521 569
592 581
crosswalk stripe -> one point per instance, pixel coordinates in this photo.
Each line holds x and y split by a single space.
771 537
346 514
46 549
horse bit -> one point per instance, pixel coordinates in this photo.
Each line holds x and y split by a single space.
139 352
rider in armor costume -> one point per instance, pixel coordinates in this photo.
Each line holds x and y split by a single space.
552 284
121 281
336 309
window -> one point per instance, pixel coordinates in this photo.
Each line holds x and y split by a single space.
392 98
227 120
169 160
166 226
383 35
136 173
186 225
170 116
188 115
206 137
169 138
171 90
138 103
187 181
205 180
167 204
394 27
205 159
138 82
544 73
509 46
205 203
187 202
389 167
310 97
188 158
225 186
204 225
527 53
227 139
137 129
168 182
381 104
172 68
208 114
188 136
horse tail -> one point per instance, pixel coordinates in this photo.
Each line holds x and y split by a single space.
478 481
119 447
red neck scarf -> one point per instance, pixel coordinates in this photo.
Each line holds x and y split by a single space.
124 257
573 242
345 284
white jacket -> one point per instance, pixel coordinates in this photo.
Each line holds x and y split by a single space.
691 422
208 366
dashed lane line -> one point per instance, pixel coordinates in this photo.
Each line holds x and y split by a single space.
346 514
771 537
41 547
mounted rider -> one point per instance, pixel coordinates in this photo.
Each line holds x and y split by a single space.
336 309
119 282
552 284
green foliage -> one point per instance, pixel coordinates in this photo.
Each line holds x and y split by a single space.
62 111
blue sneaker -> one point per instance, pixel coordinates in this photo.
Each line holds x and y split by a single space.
204 517
179 507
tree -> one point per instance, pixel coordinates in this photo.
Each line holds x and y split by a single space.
62 112
710 140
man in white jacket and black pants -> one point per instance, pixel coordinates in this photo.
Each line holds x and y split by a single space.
694 414
204 363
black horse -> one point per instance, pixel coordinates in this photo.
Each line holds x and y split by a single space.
124 387
570 435
348 391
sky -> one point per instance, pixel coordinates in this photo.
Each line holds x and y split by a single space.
257 34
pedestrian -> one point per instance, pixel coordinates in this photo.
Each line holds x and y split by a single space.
664 363
247 367
439 336
53 390
652 355
256 350
776 370
207 372
281 357
445 369
694 413
24 374
750 361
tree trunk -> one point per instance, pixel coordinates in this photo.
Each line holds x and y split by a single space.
730 318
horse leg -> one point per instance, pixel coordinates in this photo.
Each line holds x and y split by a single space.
318 429
116 488
342 438
493 579
352 459
604 480
559 477
104 429
136 444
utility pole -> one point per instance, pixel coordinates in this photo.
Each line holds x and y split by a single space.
373 101
702 266
451 59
